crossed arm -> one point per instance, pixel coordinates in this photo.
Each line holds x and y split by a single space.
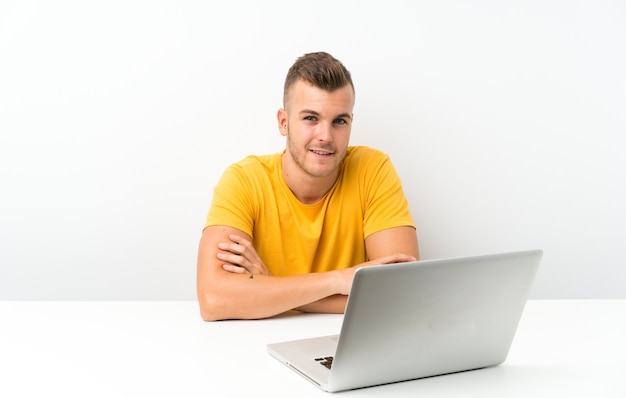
234 283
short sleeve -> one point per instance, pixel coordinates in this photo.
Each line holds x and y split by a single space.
385 203
232 204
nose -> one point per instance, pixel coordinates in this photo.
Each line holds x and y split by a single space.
324 132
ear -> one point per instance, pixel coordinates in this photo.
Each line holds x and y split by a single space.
282 119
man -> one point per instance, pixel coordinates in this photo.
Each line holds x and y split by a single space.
287 231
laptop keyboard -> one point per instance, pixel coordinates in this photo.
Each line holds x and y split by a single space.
326 361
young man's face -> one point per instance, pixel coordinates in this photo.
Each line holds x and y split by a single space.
317 124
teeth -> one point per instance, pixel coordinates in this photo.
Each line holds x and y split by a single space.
320 152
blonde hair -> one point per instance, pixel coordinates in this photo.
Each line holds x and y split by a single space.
321 70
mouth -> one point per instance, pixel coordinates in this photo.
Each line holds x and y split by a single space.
321 152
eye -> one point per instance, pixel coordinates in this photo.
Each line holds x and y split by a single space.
310 118
340 121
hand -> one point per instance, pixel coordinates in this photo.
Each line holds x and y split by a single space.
391 259
240 257
347 274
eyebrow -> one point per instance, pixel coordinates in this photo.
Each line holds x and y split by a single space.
315 113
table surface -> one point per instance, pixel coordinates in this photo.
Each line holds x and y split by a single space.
130 349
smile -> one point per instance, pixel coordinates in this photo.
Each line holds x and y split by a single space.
321 152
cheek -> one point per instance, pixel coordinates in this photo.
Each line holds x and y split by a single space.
343 137
301 133
295 140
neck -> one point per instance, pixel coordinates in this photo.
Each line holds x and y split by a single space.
307 188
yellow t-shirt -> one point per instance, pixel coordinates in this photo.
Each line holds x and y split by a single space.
295 238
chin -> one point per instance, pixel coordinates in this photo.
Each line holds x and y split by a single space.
325 172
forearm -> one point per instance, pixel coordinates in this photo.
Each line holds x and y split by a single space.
225 293
335 304
232 296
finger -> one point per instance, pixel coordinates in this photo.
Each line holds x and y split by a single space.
242 247
235 259
245 251
240 251
239 264
231 247
234 269
240 240
397 258
404 258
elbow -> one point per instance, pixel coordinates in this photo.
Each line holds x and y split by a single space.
210 308
207 315
214 307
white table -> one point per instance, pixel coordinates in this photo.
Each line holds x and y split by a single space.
573 348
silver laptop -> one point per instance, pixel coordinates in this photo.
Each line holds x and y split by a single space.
412 320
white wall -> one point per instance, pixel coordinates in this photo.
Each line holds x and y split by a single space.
505 119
